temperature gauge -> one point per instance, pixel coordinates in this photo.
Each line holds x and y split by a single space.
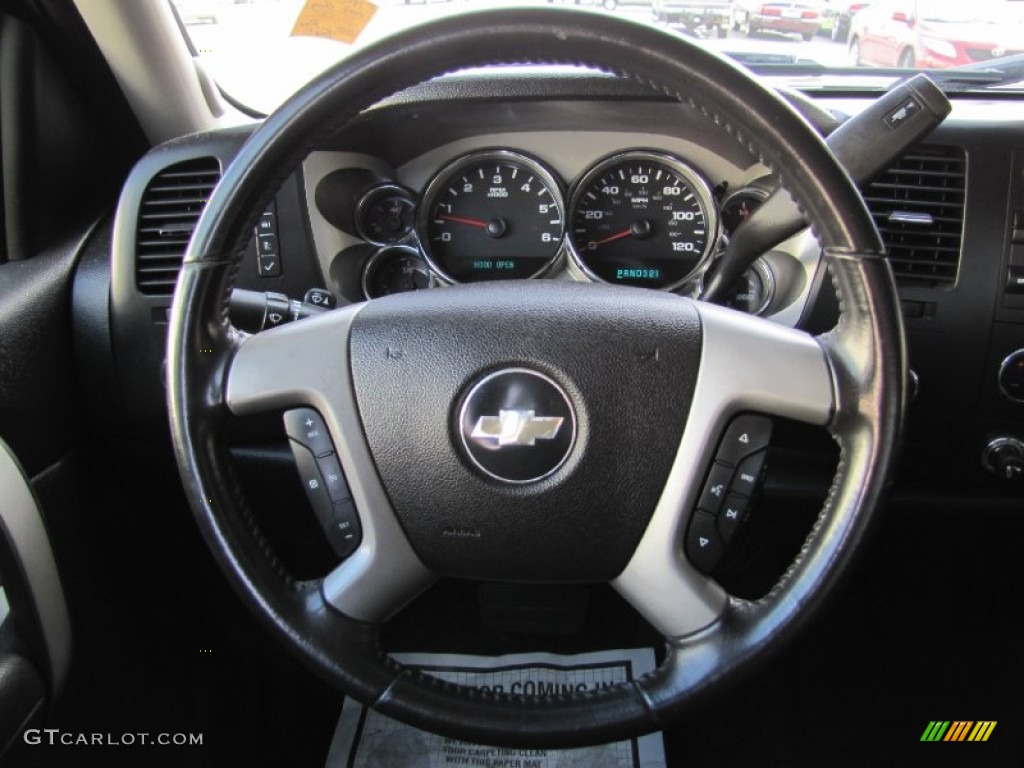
395 270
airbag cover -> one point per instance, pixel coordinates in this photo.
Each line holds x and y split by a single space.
626 358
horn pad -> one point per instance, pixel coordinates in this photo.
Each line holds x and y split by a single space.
525 430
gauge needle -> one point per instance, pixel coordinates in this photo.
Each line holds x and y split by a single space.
616 236
463 220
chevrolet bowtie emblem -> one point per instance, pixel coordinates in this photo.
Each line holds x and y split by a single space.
517 427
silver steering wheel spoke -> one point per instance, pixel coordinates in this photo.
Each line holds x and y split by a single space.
307 364
747 364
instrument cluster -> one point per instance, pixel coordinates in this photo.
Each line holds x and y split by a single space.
640 217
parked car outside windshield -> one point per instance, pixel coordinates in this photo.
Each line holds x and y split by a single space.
256 57
935 34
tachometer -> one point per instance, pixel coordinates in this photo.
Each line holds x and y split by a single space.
493 215
642 218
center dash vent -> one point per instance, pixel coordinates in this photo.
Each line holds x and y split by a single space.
168 213
918 206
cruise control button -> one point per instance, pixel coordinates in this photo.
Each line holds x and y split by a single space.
334 478
344 532
306 427
312 483
745 435
704 544
715 488
733 511
748 474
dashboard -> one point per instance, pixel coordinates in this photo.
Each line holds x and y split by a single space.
589 178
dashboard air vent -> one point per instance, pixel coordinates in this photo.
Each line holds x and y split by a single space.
168 213
918 206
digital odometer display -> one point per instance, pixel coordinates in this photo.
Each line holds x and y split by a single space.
494 215
642 218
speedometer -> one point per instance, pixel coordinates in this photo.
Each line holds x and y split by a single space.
644 219
493 215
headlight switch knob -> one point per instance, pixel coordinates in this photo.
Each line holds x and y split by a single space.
1004 457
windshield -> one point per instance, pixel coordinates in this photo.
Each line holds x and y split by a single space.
960 11
261 51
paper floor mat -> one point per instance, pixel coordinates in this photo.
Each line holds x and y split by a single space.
366 739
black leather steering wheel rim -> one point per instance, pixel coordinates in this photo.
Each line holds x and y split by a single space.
865 353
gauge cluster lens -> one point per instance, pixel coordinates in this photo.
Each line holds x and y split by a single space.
395 270
385 214
640 218
643 219
738 207
492 216
754 291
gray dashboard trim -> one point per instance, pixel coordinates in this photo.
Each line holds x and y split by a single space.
328 240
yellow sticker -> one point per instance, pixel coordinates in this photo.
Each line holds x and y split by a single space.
340 20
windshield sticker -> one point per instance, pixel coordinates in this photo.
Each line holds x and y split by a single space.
340 20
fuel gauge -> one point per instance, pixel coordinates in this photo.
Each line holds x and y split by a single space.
754 291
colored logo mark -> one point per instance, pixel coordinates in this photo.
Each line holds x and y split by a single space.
958 730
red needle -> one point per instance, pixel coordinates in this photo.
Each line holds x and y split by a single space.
616 236
462 220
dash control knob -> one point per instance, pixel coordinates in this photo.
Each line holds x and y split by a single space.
1011 377
1004 457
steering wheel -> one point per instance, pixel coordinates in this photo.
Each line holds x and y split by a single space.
641 385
